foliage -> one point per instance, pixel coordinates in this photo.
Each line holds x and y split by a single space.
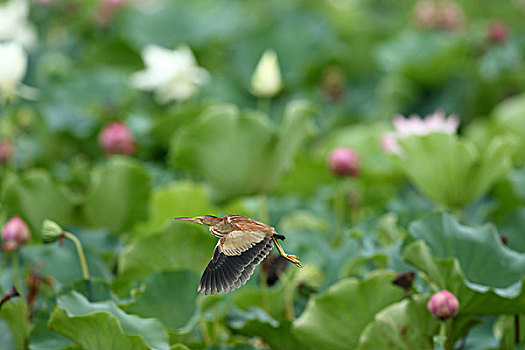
447 206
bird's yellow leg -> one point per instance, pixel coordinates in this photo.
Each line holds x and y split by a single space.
291 258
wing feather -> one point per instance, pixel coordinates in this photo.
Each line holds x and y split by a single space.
237 242
228 272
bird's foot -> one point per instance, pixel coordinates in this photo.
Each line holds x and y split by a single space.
294 260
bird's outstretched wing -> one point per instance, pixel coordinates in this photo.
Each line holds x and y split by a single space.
245 234
228 272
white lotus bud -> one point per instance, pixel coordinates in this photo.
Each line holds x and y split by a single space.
266 79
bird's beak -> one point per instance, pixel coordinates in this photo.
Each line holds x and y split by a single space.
195 219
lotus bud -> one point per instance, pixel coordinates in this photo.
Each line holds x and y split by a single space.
14 234
13 67
498 32
6 151
51 231
117 138
266 79
450 16
344 162
443 305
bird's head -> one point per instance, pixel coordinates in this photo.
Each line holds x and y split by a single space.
206 220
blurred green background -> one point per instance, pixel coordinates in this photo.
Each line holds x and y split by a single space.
118 115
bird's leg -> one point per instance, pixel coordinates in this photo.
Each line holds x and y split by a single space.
291 258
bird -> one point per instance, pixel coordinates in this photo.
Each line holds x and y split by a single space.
243 243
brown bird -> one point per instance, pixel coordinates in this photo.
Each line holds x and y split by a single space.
243 244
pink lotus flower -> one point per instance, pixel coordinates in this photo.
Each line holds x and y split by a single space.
6 151
117 138
498 32
415 125
443 15
105 11
14 234
443 305
344 162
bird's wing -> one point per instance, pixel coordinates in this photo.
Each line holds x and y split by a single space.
246 233
228 272
237 242
243 223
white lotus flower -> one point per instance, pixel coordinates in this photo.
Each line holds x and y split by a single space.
13 66
266 79
172 75
415 125
14 24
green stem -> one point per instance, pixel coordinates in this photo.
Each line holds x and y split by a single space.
80 252
449 343
289 291
15 265
339 209
263 105
517 339
204 331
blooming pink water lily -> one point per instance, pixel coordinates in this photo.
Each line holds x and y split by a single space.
415 125
14 234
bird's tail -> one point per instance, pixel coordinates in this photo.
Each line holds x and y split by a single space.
281 237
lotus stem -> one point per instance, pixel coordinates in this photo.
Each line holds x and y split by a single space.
15 265
80 252
339 209
517 339
204 331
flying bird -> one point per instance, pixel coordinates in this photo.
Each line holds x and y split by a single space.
243 243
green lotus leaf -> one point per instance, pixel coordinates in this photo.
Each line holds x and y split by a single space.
250 296
95 289
103 325
451 171
512 228
351 303
177 199
508 117
423 56
35 196
471 263
517 180
170 297
240 152
61 262
401 326
15 315
181 246
6 341
179 347
256 322
118 196
43 338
